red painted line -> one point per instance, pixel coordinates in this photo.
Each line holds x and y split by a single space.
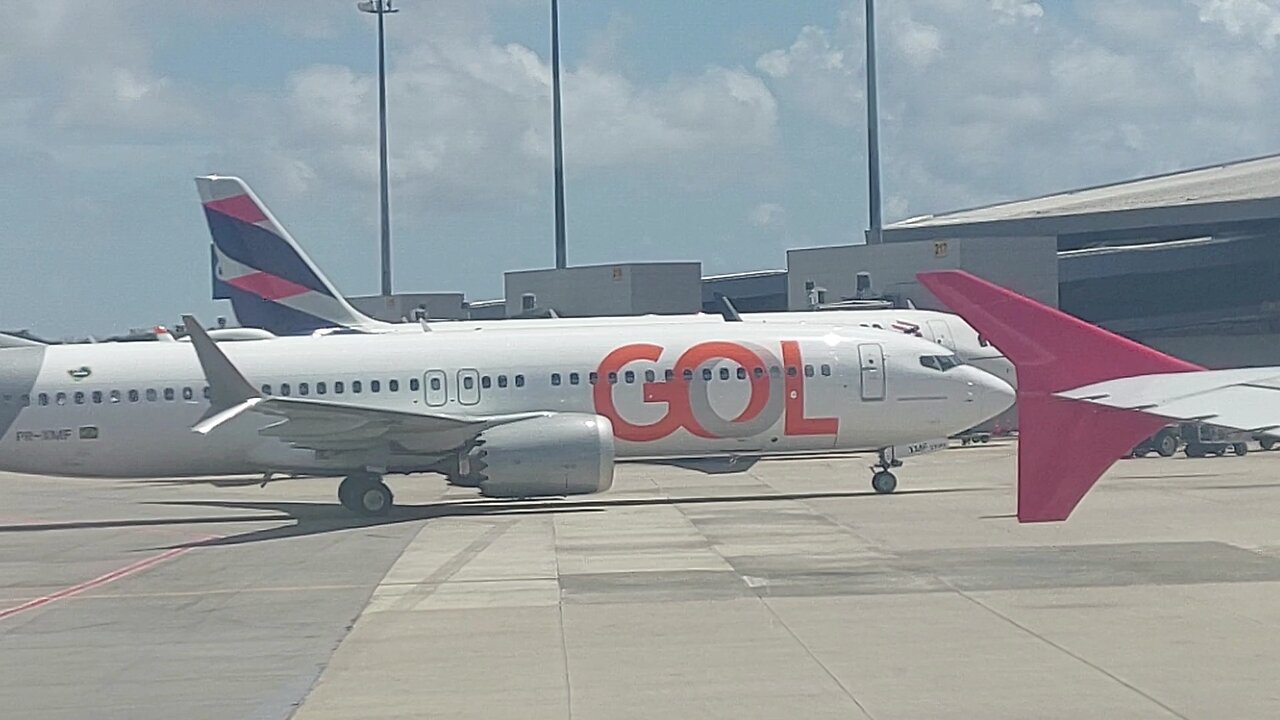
124 572
240 207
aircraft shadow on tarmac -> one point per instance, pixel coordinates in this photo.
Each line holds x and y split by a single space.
314 518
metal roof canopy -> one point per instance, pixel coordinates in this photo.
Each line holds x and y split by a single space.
1236 197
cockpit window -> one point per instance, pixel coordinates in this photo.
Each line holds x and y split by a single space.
940 362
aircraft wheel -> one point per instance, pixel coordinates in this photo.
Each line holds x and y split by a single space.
365 494
884 482
375 499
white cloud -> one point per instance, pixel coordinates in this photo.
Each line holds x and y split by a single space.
988 101
1258 20
767 215
1014 10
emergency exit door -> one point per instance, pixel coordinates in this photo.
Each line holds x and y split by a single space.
437 388
871 360
468 386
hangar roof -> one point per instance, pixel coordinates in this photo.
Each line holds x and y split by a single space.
1242 196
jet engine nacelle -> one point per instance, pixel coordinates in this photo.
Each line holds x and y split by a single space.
560 454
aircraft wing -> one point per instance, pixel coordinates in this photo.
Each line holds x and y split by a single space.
325 425
1246 399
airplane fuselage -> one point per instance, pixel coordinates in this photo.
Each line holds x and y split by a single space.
126 409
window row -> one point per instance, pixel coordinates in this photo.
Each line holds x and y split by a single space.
98 397
341 387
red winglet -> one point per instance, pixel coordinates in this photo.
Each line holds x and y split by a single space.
1064 446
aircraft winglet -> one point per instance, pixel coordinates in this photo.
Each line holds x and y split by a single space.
1064 446
228 388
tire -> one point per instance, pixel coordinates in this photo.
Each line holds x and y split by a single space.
1166 444
374 500
1195 450
1240 449
884 482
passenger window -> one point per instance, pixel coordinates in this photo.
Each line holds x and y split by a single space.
519 381
593 378
26 400
61 398
204 392
706 374
808 371
613 378
436 384
792 371
322 388
356 386
742 373
97 397
285 390
304 388
79 397
555 378
266 390
724 373
375 386
574 378
168 394
188 394
688 374
43 399
414 385
114 396
650 376
630 377
669 375
757 372
468 382
486 382
393 386
775 371
826 370
502 381
134 396
339 387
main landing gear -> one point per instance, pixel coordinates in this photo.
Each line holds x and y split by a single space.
366 494
883 481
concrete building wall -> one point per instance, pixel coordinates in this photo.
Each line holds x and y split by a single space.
616 289
441 306
1027 265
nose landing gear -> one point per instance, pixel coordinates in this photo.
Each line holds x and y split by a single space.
883 481
365 493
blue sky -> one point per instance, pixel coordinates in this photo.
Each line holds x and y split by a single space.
721 131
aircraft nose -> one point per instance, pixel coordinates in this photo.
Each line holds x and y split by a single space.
989 394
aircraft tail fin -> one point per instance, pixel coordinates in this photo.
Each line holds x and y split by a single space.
1064 446
271 282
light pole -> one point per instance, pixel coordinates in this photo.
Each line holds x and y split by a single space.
876 234
380 8
557 136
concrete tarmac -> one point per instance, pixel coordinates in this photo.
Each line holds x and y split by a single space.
786 591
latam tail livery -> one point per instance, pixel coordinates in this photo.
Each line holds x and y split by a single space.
511 413
273 284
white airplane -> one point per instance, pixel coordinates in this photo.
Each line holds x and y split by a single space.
1087 396
512 413
274 285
